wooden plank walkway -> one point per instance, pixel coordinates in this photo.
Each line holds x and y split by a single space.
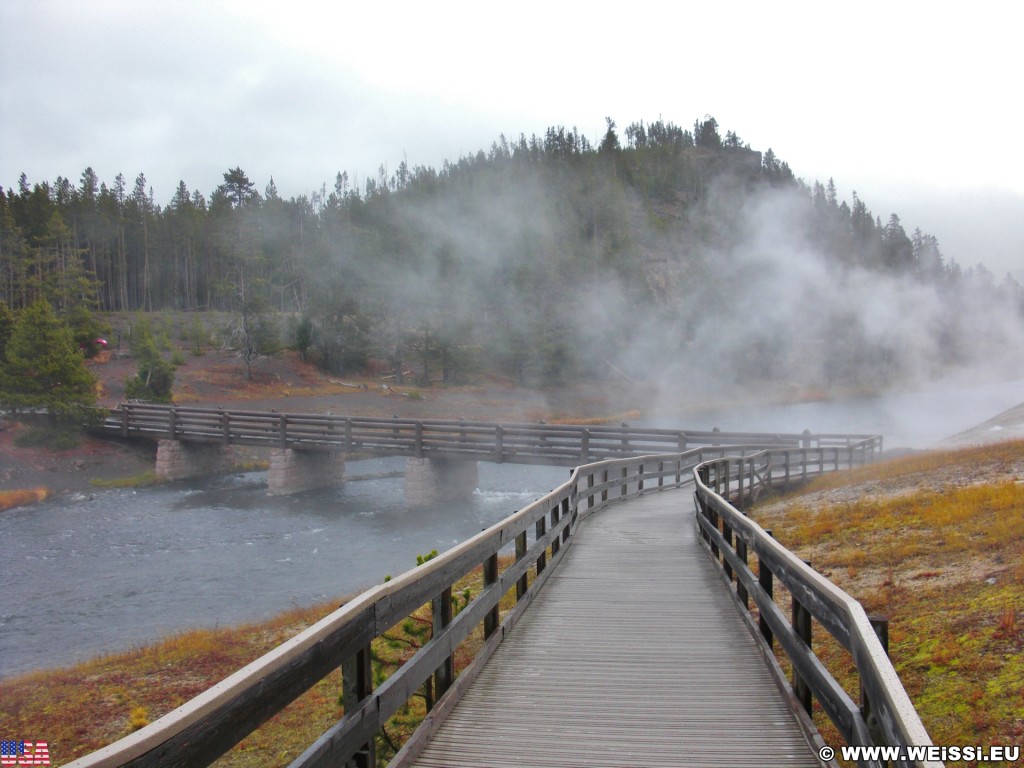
630 657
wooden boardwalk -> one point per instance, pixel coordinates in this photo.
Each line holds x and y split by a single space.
631 657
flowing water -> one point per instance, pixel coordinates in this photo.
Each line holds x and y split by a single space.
94 573
89 574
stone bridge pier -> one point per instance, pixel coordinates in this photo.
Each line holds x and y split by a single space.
433 481
293 471
177 460
427 481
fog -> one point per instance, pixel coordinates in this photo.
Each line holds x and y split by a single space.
561 274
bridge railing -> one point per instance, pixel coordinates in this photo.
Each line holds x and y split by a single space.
531 541
535 538
885 714
568 445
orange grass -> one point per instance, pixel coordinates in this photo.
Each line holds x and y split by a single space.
18 498
947 570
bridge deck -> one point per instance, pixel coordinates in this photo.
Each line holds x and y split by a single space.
629 658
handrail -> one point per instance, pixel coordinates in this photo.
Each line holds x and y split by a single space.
207 726
201 730
886 716
540 443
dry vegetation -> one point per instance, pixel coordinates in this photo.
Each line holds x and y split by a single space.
934 542
20 497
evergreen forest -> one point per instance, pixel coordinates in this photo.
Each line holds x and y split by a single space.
663 253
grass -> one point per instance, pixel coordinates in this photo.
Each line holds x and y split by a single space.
947 569
18 498
997 455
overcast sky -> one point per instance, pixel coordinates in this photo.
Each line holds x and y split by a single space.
915 105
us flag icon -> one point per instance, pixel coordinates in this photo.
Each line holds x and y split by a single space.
19 752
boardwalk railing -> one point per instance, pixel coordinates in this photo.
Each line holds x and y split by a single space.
541 443
535 538
885 714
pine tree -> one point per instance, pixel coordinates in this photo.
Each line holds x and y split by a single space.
44 370
155 378
6 329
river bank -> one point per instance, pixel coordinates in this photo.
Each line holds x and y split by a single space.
217 378
285 383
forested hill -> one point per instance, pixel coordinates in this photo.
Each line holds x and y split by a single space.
661 253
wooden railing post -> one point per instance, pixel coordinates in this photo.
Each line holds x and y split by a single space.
567 530
640 481
712 515
225 426
702 510
604 483
523 582
491 577
172 423
590 484
499 443
585 447
282 427
441 608
418 445
356 686
881 626
764 579
741 590
540 528
801 623
124 420
727 535
556 543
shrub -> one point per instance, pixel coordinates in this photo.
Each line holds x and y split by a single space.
54 437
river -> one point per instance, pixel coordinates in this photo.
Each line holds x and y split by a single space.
95 573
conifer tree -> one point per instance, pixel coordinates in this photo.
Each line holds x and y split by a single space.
6 328
44 369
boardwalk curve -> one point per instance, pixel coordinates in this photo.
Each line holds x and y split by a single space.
631 659
625 634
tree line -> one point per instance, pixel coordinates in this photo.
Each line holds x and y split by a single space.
543 258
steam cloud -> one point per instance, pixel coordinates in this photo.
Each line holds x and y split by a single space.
736 296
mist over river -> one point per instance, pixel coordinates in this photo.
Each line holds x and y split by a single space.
93 573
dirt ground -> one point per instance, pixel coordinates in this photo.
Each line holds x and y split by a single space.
218 379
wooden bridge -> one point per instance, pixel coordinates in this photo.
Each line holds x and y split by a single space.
626 644
521 443
309 450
